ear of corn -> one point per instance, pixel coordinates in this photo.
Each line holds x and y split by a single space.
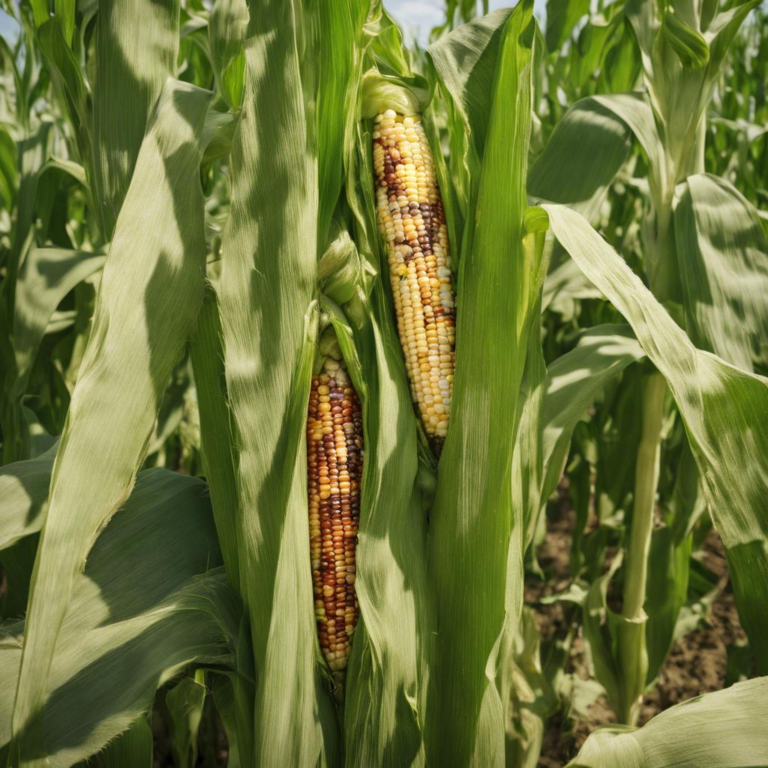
412 221
334 469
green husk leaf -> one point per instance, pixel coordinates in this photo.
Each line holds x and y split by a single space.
475 541
206 350
269 320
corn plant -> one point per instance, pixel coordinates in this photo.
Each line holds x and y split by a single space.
235 247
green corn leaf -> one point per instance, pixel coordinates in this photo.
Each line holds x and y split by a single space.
131 749
722 29
725 411
9 174
573 381
70 80
562 17
185 703
32 154
46 277
136 50
226 32
151 601
269 320
216 429
720 730
666 593
588 148
723 261
24 492
153 279
466 62
474 540
688 43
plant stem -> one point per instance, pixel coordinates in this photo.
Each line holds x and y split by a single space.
633 656
646 480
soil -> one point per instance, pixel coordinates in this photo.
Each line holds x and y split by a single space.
696 664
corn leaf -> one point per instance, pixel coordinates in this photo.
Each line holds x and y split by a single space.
9 179
720 730
24 492
472 517
46 277
725 411
153 280
32 154
588 148
266 294
226 32
185 703
665 594
723 259
131 749
136 49
152 600
562 17
573 381
216 430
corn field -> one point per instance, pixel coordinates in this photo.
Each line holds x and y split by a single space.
372 398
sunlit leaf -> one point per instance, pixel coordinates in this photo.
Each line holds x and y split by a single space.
158 244
725 411
721 730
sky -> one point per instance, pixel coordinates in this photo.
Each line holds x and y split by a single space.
417 17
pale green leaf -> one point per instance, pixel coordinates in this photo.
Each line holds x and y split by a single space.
585 152
151 601
226 32
24 492
725 411
562 17
150 292
724 729
216 429
137 42
131 749
573 382
46 277
723 260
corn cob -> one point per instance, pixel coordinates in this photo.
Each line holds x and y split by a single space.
411 219
334 468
